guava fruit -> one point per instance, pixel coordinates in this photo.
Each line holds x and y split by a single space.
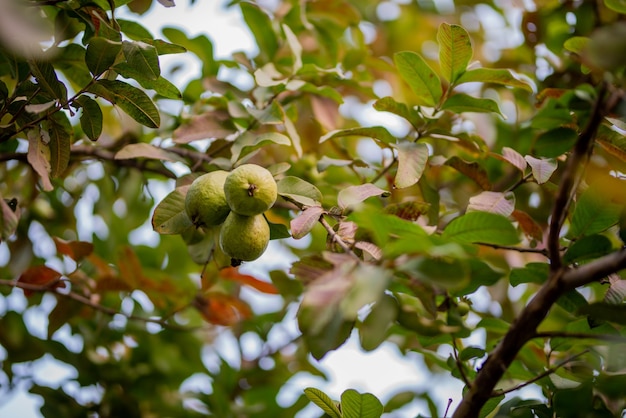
244 238
250 190
205 202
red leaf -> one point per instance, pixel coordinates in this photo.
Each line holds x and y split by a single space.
221 309
76 250
232 273
42 276
529 226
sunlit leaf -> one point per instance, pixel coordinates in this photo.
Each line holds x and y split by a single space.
302 224
493 75
412 159
494 202
130 99
90 117
322 400
617 5
424 82
38 157
455 51
612 142
388 104
143 150
248 142
300 191
356 405
101 54
461 102
169 216
261 27
42 276
353 195
515 158
542 168
375 132
489 228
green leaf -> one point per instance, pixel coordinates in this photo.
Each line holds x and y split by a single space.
169 215
375 132
161 85
412 159
481 274
593 213
493 75
588 248
260 24
300 191
482 227
471 352
90 116
143 58
532 273
165 48
356 405
278 231
248 142
47 79
461 102
455 51
60 132
617 5
101 54
555 142
577 44
200 46
572 301
446 272
605 312
424 82
374 329
490 406
8 220
134 30
388 104
322 400
130 99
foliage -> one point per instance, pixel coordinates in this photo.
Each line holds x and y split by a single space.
498 164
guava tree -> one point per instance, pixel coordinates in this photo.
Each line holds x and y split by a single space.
450 179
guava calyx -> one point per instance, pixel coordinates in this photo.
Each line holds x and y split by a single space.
250 190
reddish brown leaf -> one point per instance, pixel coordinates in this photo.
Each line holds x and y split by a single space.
410 210
472 170
221 309
232 273
76 250
303 223
529 226
209 125
42 276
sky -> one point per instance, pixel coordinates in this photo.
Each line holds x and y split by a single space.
382 372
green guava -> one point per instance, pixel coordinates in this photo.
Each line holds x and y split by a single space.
205 202
250 190
244 238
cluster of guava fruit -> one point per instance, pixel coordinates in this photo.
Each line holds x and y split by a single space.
235 200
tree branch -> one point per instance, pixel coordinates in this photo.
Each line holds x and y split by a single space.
571 176
93 305
559 281
336 238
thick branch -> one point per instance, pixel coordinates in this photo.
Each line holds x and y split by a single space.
595 270
570 177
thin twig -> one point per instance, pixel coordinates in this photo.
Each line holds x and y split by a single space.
93 305
539 376
459 364
336 238
542 251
